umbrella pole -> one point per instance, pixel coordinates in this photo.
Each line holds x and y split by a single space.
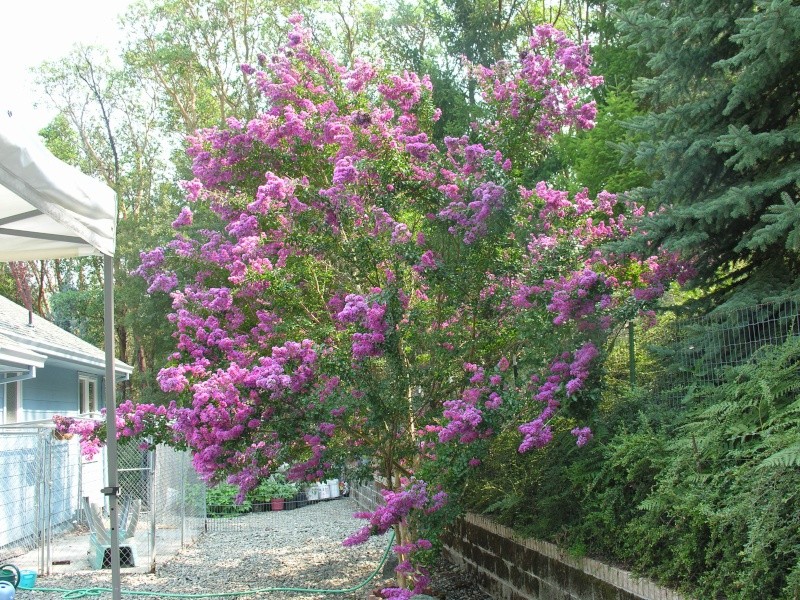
112 489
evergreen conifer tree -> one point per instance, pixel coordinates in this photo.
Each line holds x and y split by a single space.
722 137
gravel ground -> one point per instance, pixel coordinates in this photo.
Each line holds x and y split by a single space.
297 548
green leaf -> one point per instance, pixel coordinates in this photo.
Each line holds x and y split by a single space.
788 457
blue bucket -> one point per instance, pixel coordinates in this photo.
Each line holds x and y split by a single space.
27 579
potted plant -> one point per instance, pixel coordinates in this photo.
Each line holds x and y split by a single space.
276 490
299 500
259 502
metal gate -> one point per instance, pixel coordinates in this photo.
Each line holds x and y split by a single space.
46 488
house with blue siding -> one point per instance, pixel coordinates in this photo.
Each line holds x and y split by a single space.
45 370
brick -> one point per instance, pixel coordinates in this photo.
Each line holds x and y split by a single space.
516 576
515 595
551 592
532 586
534 563
558 573
603 591
580 584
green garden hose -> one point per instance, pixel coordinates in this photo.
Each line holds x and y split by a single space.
96 591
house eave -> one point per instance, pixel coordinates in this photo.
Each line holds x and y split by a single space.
88 364
55 355
18 358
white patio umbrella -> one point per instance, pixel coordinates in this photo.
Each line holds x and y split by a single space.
49 209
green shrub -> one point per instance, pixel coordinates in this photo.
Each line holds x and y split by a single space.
221 501
706 499
275 486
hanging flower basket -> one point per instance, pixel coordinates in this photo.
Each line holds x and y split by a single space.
62 436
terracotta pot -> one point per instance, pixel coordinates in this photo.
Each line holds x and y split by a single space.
61 436
277 503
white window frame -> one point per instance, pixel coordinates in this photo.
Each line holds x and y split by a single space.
88 400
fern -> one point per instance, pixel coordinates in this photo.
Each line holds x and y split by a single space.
510 502
788 457
654 504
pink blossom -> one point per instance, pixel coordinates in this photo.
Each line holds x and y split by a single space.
584 434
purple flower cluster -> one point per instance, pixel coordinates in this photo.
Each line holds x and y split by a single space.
465 418
566 378
370 315
89 430
396 510
151 269
471 218
184 219
548 84
580 294
584 434
406 89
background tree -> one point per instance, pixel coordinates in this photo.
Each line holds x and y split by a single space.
107 125
721 139
191 50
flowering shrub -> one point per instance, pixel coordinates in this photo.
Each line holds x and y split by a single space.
413 496
342 287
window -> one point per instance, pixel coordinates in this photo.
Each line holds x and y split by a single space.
13 395
88 393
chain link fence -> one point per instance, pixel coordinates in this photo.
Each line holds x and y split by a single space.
53 515
42 481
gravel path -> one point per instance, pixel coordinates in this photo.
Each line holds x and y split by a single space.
298 548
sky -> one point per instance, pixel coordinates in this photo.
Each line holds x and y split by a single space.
33 31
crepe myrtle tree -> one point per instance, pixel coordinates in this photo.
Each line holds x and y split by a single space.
344 290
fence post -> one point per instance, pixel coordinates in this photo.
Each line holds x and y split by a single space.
39 500
49 504
183 497
153 503
631 354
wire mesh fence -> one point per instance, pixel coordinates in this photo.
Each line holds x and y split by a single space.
53 515
681 353
367 495
225 513
178 507
708 345
43 480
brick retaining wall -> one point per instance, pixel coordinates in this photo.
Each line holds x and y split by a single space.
510 567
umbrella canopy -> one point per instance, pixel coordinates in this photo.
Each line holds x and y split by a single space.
49 209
